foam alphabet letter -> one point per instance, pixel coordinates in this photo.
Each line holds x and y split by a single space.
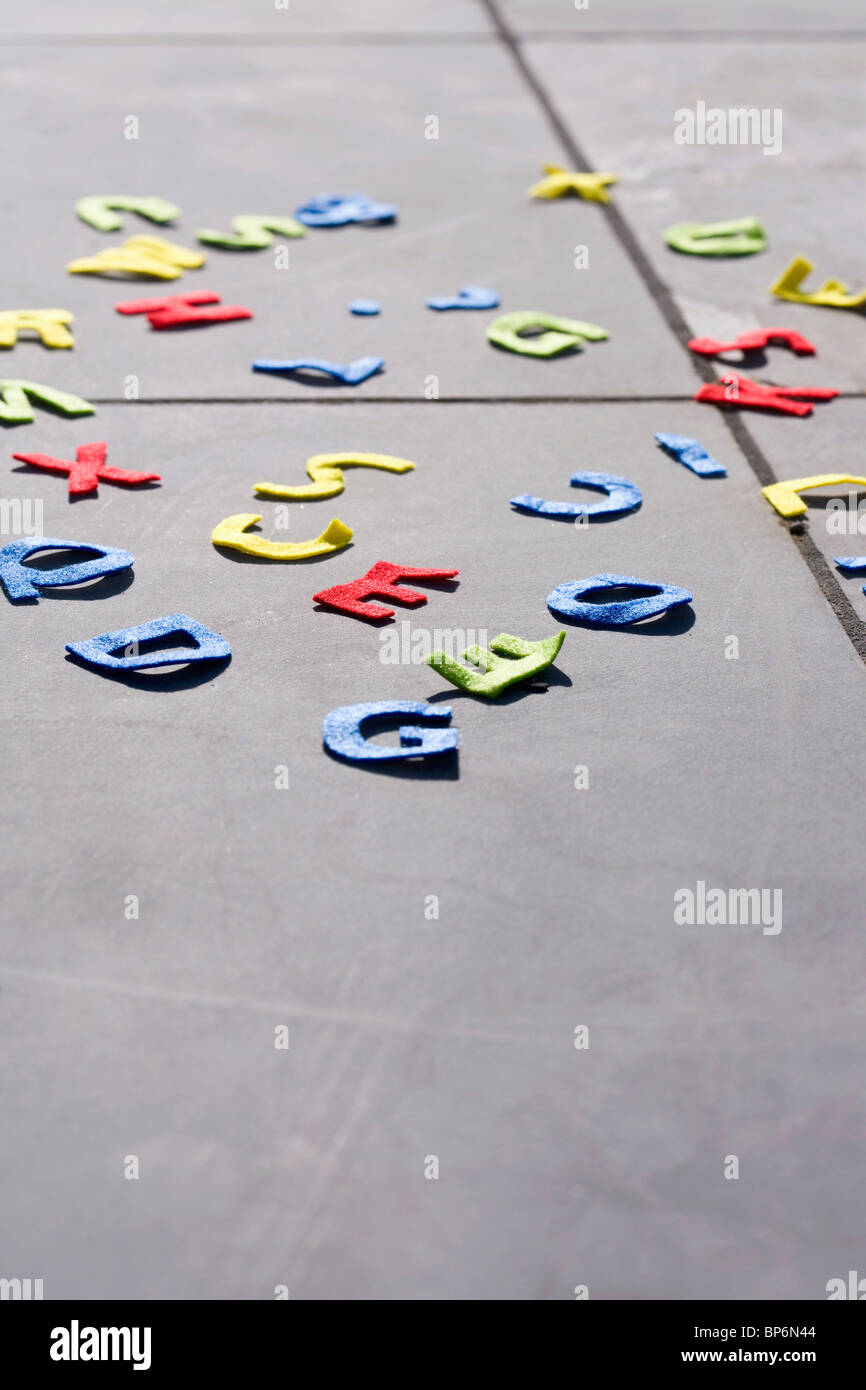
23 582
99 651
341 731
506 331
326 470
785 496
754 341
142 256
622 496
231 534
469 297
332 210
351 374
49 324
564 601
741 237
508 660
97 210
833 294
854 564
693 454
252 233
16 395
560 181
178 311
88 469
380 581
739 392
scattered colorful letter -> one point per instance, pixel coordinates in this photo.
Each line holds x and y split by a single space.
833 294
351 374
564 601
231 534
755 340
507 331
739 392
88 469
785 497
99 212
23 582
341 731
507 661
693 454
49 324
380 581
622 496
99 651
559 181
332 210
179 311
251 233
326 470
15 397
468 297
741 237
142 256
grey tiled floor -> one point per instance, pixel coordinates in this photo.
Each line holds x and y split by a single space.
305 907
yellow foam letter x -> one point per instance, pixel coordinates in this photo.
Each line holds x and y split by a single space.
560 181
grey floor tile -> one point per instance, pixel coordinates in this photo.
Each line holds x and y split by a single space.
413 1037
717 745
622 116
214 126
774 19
832 445
278 19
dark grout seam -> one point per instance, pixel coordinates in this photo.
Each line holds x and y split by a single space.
249 40
370 40
619 399
663 298
693 35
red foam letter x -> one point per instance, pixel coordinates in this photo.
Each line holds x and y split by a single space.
379 582
88 469
175 311
736 390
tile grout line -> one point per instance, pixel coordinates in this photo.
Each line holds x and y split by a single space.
263 39
372 39
692 35
663 297
620 398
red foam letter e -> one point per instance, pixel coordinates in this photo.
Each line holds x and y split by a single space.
381 581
